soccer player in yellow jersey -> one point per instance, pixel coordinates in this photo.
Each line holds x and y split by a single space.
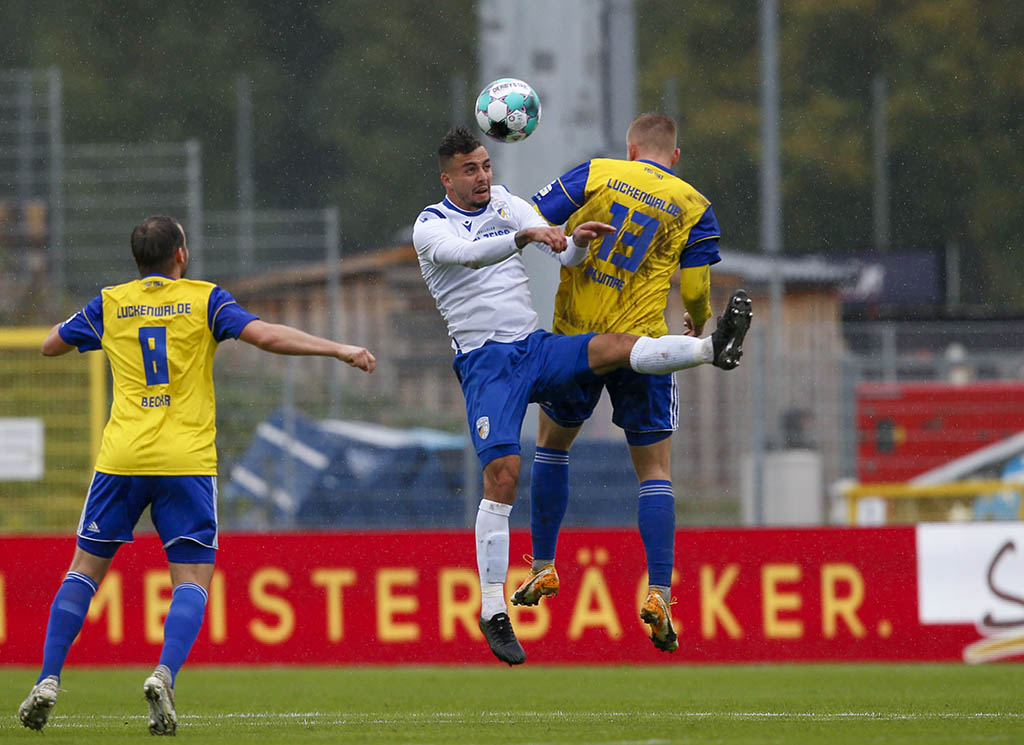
661 224
160 334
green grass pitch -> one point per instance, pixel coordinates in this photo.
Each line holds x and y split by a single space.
534 704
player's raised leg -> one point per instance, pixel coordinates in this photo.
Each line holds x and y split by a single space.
671 353
501 477
67 614
549 499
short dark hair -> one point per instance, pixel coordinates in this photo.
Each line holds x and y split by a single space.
154 241
458 141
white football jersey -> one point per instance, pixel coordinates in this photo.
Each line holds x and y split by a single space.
474 270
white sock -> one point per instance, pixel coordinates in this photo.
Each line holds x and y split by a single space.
492 555
667 354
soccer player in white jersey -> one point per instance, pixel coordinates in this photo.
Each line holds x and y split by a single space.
469 247
160 333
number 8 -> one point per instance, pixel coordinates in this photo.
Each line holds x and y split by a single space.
153 340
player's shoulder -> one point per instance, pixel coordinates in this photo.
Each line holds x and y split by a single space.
123 292
509 206
196 290
501 196
635 172
686 192
500 191
197 284
431 212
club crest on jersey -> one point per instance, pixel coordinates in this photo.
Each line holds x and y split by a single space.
502 209
483 427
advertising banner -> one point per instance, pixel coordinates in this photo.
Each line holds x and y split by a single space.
931 592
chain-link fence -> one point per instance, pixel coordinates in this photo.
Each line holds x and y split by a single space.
31 230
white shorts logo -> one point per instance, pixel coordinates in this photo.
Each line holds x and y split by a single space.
483 427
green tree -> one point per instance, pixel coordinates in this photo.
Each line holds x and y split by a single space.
349 101
955 109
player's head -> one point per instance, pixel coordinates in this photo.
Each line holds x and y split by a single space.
465 169
158 245
652 137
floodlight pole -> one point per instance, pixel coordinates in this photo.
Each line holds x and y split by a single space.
771 244
56 134
332 256
246 184
880 151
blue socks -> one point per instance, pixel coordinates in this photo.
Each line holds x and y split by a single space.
657 521
71 604
67 614
185 617
549 498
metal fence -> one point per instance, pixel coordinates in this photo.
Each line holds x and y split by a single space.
787 417
246 242
31 231
108 188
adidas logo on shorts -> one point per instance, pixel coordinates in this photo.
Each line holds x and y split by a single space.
93 527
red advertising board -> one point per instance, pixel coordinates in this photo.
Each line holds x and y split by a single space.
906 429
412 597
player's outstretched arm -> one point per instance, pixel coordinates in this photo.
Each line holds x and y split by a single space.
572 252
585 232
550 236
281 339
53 345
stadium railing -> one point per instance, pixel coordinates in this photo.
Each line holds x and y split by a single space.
66 399
907 502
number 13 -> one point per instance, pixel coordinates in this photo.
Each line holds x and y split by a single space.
638 242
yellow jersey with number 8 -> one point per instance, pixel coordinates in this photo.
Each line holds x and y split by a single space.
160 336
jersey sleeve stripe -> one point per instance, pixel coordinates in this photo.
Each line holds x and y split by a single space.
213 319
567 196
85 315
703 238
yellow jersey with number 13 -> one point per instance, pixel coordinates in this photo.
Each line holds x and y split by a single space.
661 223
160 336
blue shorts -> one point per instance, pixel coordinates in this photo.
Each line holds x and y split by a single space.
183 508
500 379
645 406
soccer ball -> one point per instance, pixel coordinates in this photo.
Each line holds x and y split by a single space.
508 110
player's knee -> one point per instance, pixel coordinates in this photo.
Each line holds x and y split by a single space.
501 477
607 352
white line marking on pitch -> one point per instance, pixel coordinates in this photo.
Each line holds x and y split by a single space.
262 719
